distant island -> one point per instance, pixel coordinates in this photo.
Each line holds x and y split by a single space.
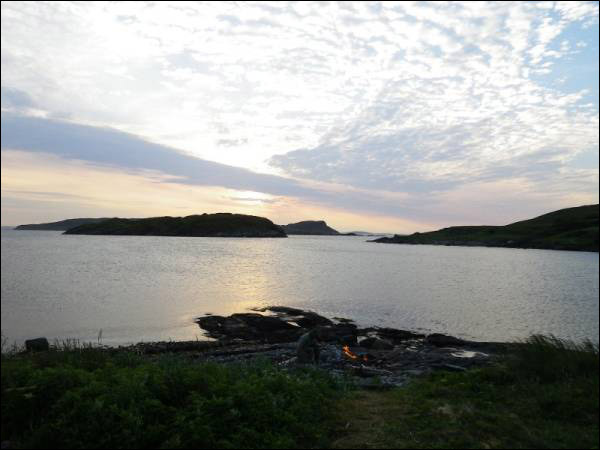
205 225
565 229
61 225
307 227
311 227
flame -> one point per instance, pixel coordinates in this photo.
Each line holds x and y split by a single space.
348 353
352 355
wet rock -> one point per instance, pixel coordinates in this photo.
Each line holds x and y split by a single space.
397 336
342 333
376 344
282 310
343 320
212 324
37 345
442 340
312 320
265 324
250 327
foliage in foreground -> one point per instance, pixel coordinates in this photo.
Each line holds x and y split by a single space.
545 395
89 398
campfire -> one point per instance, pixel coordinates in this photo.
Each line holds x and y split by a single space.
350 354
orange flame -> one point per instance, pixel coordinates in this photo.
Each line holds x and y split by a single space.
352 355
348 353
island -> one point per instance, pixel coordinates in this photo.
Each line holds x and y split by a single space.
310 227
566 229
61 225
204 225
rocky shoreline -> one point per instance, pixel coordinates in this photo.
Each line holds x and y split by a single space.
371 357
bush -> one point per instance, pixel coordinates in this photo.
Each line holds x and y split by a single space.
126 402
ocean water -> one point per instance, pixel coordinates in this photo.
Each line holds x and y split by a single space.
143 288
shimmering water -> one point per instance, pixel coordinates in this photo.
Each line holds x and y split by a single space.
151 288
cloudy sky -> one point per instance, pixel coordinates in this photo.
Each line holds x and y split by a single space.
391 116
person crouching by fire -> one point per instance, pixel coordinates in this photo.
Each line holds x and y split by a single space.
308 350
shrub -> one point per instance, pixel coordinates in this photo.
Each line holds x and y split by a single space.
64 401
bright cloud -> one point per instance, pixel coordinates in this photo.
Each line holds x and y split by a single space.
397 110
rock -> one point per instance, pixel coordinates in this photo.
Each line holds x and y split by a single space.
397 336
304 319
281 309
343 333
250 327
265 324
442 340
343 320
37 345
450 367
349 340
311 320
376 344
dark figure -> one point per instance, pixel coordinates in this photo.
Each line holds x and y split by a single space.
308 351
37 345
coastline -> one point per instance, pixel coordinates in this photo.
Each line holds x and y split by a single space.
393 240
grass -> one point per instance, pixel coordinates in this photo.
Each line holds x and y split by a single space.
545 395
90 398
565 229
542 395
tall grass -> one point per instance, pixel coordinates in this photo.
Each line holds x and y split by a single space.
549 358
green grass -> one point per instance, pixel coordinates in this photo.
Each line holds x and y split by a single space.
565 229
90 398
543 396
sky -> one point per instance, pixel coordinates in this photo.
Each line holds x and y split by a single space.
380 116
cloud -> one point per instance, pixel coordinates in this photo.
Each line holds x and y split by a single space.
118 151
105 146
389 108
15 99
460 107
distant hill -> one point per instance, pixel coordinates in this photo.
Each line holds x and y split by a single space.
312 227
212 225
565 229
61 225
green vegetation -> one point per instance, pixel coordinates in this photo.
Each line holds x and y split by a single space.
214 225
542 395
566 229
91 398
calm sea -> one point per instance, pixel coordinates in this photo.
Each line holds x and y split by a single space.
151 288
